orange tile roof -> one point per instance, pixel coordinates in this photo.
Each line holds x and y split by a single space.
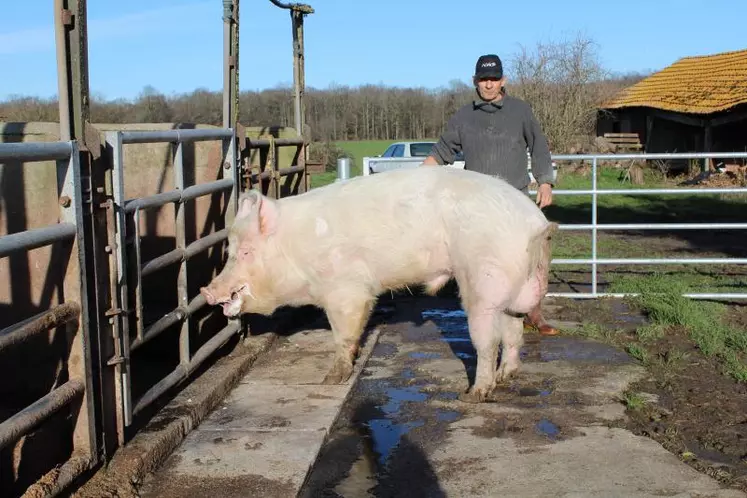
697 85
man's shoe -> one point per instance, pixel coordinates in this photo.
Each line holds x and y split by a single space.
547 330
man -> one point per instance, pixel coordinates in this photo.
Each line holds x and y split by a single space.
494 133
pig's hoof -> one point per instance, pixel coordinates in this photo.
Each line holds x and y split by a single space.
338 374
473 396
505 372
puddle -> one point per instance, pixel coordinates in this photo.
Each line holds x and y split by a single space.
546 428
576 349
424 356
451 323
447 415
408 374
386 436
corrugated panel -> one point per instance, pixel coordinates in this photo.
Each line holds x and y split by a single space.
697 85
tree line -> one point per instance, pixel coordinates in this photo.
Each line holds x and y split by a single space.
564 83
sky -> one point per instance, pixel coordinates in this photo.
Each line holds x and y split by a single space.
175 46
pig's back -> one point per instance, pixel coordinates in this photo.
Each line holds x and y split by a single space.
411 221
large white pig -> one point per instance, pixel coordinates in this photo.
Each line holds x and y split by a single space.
339 247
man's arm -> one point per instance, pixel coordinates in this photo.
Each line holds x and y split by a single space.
444 151
541 160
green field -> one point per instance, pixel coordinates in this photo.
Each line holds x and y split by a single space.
357 150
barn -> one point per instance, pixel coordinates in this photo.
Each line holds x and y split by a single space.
697 104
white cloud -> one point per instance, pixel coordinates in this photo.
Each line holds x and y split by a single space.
124 26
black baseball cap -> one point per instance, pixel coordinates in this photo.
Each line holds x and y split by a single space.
489 66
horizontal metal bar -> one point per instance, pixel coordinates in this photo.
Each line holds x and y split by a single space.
205 243
37 237
264 175
663 155
20 332
183 371
650 191
35 414
196 191
290 170
175 136
657 226
633 294
163 198
35 151
161 262
645 261
152 201
179 255
58 480
168 320
255 143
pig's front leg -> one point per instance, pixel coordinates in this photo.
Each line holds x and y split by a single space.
348 318
486 339
511 329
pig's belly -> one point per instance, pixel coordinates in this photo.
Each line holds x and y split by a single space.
399 267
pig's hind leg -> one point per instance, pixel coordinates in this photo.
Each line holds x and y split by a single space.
348 317
511 328
484 303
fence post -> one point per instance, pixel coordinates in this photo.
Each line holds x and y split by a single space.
594 220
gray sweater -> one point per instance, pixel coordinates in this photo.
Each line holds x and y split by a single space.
494 139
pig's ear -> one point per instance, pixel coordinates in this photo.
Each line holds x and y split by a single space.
248 203
259 211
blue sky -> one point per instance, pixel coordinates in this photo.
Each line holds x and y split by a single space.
176 45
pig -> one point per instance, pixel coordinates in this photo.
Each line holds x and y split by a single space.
340 246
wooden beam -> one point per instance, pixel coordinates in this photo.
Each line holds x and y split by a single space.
729 118
678 118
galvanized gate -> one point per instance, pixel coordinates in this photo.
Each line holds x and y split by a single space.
73 390
128 271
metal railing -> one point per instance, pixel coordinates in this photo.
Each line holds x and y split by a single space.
75 393
272 172
595 261
126 212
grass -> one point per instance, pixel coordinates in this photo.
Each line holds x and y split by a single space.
704 322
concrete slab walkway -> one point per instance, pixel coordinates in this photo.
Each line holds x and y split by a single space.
262 440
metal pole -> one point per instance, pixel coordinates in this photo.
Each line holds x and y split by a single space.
594 226
297 26
230 62
61 21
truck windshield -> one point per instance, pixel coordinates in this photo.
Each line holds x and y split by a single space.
420 149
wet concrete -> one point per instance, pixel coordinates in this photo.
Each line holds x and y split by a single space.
402 431
265 435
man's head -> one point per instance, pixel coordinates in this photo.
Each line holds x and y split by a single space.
489 78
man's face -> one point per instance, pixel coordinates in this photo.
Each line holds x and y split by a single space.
490 88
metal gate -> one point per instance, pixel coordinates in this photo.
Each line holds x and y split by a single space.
129 273
68 317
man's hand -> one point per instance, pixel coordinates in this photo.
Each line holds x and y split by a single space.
429 161
544 195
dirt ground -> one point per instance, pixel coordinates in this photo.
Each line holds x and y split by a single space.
686 404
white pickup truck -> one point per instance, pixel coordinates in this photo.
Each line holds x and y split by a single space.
411 154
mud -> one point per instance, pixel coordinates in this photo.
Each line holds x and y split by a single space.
687 403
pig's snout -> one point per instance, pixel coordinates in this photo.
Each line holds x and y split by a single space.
209 297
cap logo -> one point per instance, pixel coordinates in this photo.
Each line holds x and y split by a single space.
488 64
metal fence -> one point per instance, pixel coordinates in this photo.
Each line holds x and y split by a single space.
127 243
74 394
595 261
